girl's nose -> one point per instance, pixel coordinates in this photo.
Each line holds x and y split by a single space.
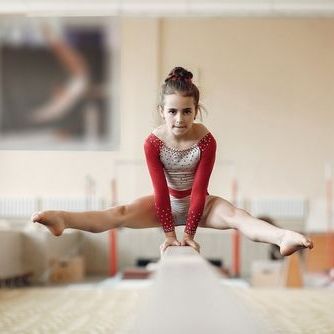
179 118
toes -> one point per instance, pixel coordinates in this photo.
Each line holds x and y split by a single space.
36 216
309 244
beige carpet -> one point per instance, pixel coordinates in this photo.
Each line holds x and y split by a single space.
293 311
113 310
61 310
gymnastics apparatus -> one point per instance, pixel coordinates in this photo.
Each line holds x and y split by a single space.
186 293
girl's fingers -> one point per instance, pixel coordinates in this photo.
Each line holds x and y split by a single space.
190 243
162 247
165 245
187 243
194 245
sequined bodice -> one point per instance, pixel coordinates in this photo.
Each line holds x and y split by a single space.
180 174
180 166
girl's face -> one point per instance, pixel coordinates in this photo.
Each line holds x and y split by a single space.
178 113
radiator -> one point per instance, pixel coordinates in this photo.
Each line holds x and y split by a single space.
279 208
19 207
71 203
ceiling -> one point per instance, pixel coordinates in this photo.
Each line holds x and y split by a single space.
160 8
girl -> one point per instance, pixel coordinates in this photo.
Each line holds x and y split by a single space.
180 155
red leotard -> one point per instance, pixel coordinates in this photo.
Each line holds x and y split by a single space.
178 174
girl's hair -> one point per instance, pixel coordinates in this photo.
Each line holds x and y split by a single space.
179 80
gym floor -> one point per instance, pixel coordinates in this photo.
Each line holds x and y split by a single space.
110 306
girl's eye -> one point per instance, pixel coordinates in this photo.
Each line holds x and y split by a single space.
187 111
172 111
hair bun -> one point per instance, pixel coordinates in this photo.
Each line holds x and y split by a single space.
179 73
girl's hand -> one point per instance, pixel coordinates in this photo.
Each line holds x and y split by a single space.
188 240
169 241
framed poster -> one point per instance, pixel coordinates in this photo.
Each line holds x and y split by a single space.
57 83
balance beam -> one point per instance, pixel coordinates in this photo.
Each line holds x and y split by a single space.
187 297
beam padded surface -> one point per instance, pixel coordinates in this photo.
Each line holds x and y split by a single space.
187 297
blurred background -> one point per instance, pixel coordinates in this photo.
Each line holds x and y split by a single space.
79 85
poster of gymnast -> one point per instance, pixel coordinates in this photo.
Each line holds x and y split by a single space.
55 85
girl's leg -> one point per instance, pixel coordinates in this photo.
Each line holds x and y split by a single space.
221 214
138 214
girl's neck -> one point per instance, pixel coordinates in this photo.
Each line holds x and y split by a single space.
197 132
189 136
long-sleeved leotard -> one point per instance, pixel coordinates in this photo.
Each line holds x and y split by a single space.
180 179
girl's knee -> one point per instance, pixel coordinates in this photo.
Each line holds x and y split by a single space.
119 210
241 213
233 216
117 214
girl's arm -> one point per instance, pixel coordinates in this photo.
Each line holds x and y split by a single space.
200 185
161 194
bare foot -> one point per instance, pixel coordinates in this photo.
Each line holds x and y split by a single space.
293 241
53 220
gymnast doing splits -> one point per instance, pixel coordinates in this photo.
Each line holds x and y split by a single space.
180 156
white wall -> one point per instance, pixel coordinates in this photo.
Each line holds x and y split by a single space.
268 86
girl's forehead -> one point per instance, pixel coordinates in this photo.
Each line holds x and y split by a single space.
178 101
